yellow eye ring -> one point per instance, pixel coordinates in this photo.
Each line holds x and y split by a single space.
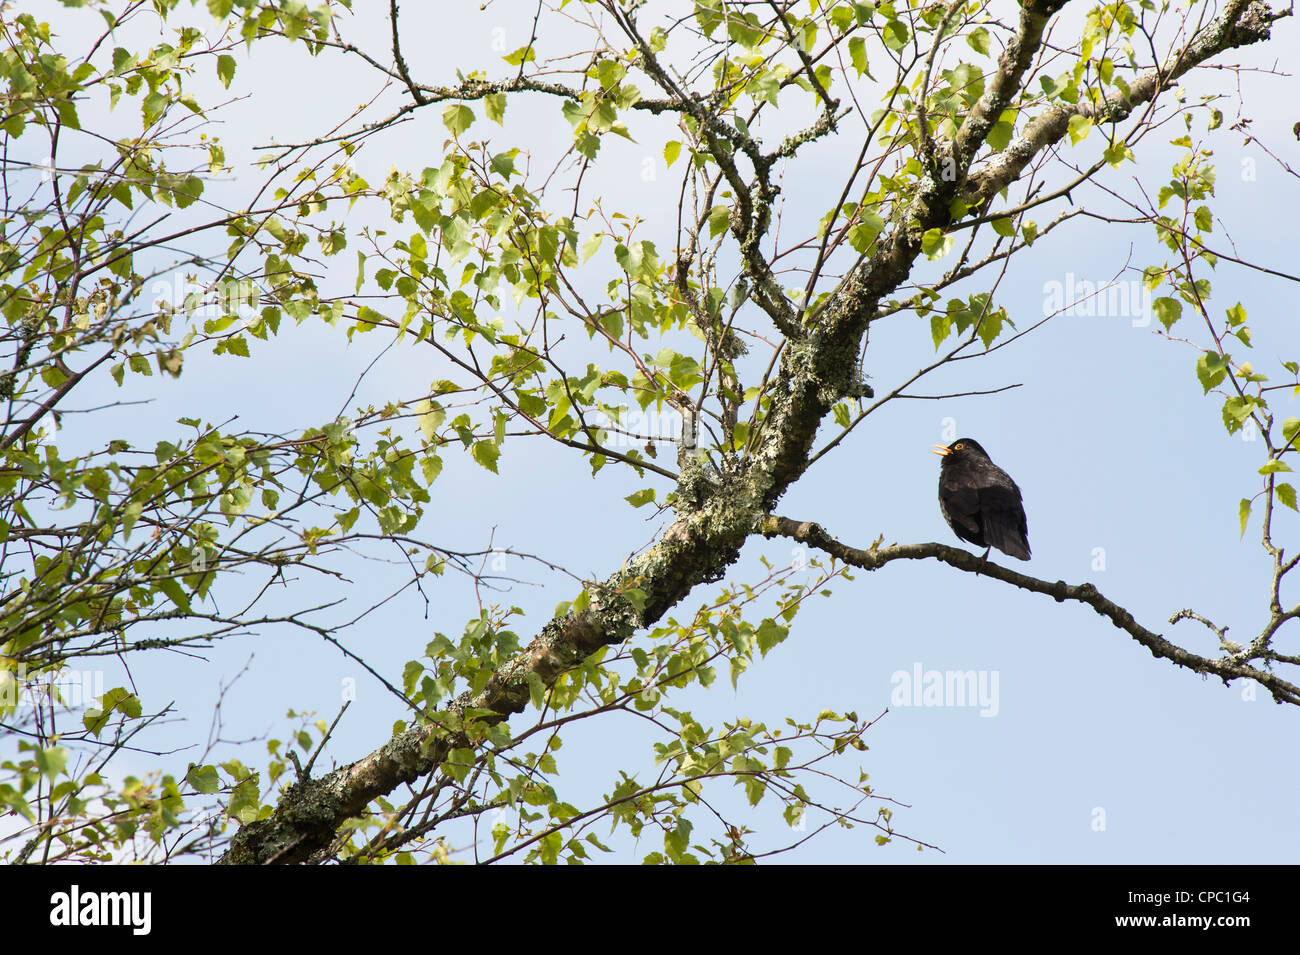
959 446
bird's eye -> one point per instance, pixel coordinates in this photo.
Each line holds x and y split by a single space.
958 446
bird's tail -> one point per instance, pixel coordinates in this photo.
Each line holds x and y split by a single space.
1009 540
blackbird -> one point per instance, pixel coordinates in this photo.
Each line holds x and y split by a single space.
979 500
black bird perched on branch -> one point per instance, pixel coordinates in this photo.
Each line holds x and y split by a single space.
979 500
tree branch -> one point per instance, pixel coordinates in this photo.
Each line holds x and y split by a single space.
1226 667
1243 22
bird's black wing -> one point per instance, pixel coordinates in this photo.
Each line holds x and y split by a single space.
1003 518
961 508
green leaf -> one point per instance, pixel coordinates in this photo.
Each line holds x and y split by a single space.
991 326
935 244
858 55
537 689
1116 154
1000 134
636 598
486 453
940 327
225 69
51 761
457 118
430 418
864 233
1168 310
503 164
494 104
1080 126
672 149
769 634
641 497
367 317
1236 410
204 779
591 246
895 35
525 54
173 590
1243 511
1290 427
152 108
11 797
1286 494
1211 368
719 220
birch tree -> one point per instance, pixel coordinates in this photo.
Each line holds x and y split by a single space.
552 316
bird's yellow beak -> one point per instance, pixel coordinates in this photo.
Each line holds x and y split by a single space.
941 449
